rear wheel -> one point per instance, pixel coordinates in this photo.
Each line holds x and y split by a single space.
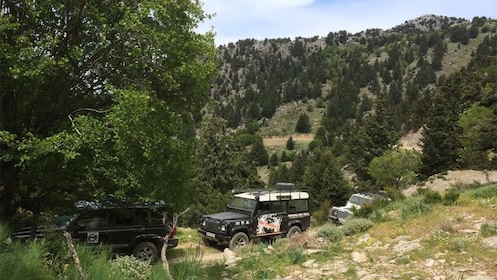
293 231
146 252
239 240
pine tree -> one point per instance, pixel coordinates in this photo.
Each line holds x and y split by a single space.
441 135
259 154
290 144
303 124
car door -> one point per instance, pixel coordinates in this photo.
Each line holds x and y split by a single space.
127 224
270 218
92 227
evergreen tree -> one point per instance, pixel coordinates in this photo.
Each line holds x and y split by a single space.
290 144
441 135
303 124
324 180
259 154
297 170
273 160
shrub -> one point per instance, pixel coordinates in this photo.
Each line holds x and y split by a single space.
489 229
488 191
296 256
430 196
394 193
128 267
451 197
330 232
367 209
320 216
356 225
413 207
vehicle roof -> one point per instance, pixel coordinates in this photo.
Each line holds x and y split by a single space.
273 195
97 205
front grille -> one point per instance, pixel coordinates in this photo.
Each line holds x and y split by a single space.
212 225
343 214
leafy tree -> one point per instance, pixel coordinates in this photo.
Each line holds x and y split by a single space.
395 168
102 100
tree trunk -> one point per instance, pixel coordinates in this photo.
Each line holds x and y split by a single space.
74 254
165 263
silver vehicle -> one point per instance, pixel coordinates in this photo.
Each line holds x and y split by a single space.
339 214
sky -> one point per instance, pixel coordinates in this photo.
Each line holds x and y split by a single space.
260 19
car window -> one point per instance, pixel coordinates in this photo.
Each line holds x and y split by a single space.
94 220
271 207
297 206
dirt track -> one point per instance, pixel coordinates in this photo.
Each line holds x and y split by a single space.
281 141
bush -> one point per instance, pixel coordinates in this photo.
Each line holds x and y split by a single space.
489 229
128 267
356 225
330 232
367 209
486 192
412 207
394 193
451 197
321 215
429 196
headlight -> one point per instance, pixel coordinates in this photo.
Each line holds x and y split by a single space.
222 228
203 223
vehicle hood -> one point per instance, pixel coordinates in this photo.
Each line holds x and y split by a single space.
223 216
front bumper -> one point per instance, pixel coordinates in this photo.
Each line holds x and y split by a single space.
221 238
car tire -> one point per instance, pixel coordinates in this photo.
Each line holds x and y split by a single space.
208 243
239 240
292 231
146 252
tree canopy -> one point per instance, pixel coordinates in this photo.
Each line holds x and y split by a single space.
97 98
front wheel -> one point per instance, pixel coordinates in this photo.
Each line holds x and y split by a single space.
294 230
146 252
208 243
239 240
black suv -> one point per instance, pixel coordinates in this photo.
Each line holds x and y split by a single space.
136 229
255 214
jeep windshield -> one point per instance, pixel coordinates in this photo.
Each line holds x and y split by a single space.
357 200
242 204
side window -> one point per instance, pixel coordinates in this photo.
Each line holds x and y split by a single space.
271 207
278 206
94 220
298 205
153 217
126 218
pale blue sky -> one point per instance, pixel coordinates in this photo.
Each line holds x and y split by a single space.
260 19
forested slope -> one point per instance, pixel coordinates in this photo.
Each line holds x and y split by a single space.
364 91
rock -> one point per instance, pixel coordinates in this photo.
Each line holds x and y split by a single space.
310 263
359 257
406 246
371 277
490 242
230 258
363 239
429 262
